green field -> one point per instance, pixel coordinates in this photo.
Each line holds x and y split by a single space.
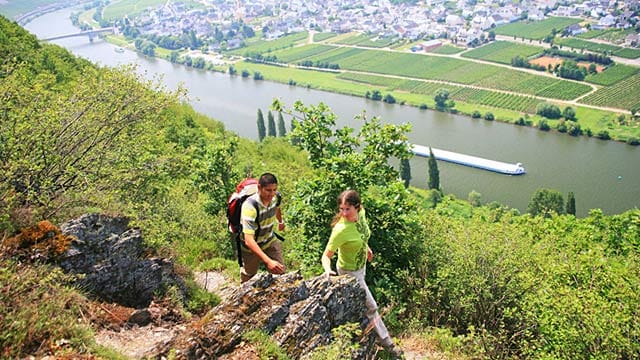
503 51
599 47
323 36
16 7
367 41
536 30
420 66
265 47
131 8
612 74
622 95
447 50
299 53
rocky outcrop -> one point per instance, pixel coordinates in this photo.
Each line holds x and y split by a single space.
110 258
299 316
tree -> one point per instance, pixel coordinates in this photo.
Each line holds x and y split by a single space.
389 99
434 173
441 97
262 132
405 172
89 136
474 198
271 125
550 111
546 202
346 159
571 204
282 130
569 113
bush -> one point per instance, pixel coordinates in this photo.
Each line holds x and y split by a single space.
633 141
476 114
603 134
544 125
489 116
423 106
31 319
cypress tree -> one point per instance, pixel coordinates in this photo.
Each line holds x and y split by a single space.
271 125
282 130
434 173
571 204
261 128
405 172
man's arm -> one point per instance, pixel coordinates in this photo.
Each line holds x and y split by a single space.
273 266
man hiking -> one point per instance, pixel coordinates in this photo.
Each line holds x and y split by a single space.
260 213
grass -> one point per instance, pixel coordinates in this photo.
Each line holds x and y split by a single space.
613 74
623 94
17 7
503 52
447 50
266 46
536 30
131 8
599 47
31 319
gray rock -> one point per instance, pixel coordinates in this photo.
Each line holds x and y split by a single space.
299 316
109 257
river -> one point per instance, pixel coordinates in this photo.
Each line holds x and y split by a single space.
601 174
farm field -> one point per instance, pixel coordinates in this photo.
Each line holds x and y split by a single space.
623 95
265 47
599 47
503 52
323 36
11 8
458 71
365 40
447 50
117 10
536 30
613 74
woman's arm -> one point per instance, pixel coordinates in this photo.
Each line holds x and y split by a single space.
326 262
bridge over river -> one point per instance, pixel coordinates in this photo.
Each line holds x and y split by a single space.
90 33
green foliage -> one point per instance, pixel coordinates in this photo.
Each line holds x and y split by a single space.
282 129
550 111
344 160
262 129
343 346
441 97
570 208
267 348
434 174
271 125
531 287
31 319
546 202
200 300
91 133
569 113
405 172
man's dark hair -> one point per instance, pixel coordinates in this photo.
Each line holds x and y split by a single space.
267 179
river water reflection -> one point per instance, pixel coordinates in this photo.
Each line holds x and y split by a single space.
602 174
